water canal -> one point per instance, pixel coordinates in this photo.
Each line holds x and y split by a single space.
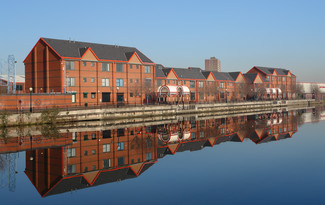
275 158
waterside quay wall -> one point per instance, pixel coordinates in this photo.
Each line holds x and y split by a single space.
132 114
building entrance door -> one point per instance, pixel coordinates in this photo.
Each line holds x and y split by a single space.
119 97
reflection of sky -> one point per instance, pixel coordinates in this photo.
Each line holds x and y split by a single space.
289 171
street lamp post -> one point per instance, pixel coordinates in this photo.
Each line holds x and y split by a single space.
30 99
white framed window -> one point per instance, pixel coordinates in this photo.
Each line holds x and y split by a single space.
105 82
106 148
221 85
147 69
70 65
71 152
200 84
70 82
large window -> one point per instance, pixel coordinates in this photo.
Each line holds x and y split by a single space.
71 169
222 85
200 84
192 84
147 69
119 82
119 67
149 156
70 65
105 82
70 82
105 67
222 95
120 146
106 163
106 147
71 152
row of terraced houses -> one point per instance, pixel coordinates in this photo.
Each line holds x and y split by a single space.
71 73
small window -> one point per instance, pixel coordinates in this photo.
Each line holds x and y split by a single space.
92 64
85 137
131 95
70 82
131 80
85 80
84 63
137 66
221 85
86 153
92 80
93 136
93 151
85 95
200 84
130 66
93 95
94 167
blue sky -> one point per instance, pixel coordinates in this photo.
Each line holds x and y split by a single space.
242 34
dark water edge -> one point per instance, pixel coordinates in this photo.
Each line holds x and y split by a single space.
242 166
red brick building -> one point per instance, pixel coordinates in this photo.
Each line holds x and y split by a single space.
93 73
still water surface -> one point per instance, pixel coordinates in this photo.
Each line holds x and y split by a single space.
277 158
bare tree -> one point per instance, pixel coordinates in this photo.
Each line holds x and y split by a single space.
315 91
298 90
260 90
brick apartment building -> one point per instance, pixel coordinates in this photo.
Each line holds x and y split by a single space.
92 73
98 74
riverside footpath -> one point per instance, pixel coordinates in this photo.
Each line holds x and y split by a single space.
132 113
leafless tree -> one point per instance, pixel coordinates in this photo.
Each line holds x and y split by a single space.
315 91
260 90
297 89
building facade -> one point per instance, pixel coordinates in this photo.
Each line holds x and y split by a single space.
213 64
93 73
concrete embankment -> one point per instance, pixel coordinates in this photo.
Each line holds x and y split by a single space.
159 112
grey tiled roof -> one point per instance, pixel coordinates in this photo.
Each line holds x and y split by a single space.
220 76
227 76
206 74
250 77
269 70
234 75
75 49
160 73
184 73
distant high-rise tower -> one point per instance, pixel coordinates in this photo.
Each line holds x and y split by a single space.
213 64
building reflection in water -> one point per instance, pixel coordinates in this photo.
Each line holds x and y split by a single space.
77 160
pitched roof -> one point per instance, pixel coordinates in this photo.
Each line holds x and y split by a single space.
250 77
220 76
206 74
184 73
227 76
160 73
75 49
269 70
234 75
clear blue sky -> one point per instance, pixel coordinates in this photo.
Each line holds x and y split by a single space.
242 34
